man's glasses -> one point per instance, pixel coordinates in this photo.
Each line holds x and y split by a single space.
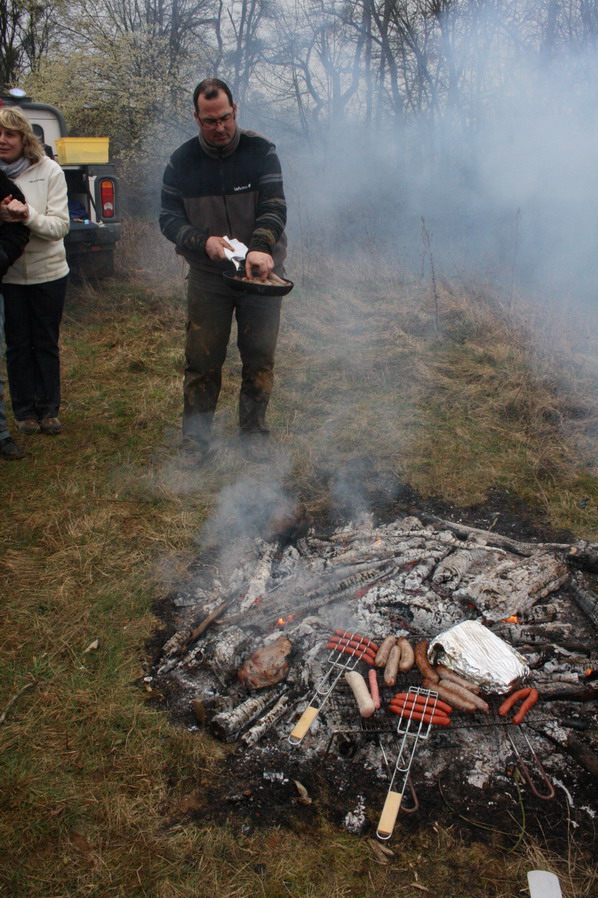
214 122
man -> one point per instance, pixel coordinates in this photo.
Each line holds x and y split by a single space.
227 183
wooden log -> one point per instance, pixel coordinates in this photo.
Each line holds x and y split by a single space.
228 724
579 554
584 598
584 755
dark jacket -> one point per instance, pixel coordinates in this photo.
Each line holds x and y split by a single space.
234 192
13 235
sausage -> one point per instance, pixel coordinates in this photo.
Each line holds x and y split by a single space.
529 702
407 654
530 696
355 641
352 648
361 654
451 697
392 665
358 651
383 651
447 674
479 702
406 710
374 690
421 659
364 700
512 699
412 698
347 634
438 717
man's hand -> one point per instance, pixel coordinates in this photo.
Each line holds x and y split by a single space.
258 265
215 247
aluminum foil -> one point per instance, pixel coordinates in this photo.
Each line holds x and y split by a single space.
475 652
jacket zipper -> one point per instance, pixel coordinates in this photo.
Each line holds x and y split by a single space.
230 234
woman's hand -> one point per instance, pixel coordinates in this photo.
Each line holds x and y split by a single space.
13 210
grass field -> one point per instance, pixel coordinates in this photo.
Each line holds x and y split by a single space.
381 381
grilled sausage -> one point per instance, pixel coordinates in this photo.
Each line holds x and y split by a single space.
364 700
438 718
451 697
410 698
345 634
360 654
392 665
447 674
407 655
356 641
512 699
383 651
421 659
529 702
361 651
374 689
479 703
530 697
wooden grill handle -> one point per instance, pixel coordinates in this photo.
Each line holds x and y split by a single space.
303 724
389 815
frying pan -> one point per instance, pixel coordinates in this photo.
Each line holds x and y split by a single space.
274 286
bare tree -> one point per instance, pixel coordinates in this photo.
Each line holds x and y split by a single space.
26 29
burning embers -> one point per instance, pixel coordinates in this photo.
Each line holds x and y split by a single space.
264 654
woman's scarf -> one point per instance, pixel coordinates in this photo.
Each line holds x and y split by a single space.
16 168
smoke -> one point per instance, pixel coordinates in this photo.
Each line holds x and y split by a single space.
507 182
503 176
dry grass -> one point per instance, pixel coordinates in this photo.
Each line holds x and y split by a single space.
102 522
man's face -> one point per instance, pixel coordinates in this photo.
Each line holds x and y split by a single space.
217 119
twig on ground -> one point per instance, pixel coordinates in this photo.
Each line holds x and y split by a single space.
15 698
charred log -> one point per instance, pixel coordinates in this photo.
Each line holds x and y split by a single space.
228 724
580 554
584 598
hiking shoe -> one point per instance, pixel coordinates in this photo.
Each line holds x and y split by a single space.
51 426
196 450
257 446
28 426
10 450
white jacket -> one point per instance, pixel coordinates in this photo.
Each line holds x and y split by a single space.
44 259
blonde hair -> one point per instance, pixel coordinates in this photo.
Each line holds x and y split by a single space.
14 119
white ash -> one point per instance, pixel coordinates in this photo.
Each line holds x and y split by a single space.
355 820
481 773
568 796
261 573
275 776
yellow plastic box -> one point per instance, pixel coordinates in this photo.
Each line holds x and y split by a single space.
82 150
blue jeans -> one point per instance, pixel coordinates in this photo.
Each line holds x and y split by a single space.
3 428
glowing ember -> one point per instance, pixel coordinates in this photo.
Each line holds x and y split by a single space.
282 621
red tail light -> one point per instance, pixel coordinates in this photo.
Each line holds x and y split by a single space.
107 198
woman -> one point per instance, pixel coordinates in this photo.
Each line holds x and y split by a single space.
34 287
13 237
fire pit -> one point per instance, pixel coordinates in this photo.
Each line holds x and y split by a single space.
250 652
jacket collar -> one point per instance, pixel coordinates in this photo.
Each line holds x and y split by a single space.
220 152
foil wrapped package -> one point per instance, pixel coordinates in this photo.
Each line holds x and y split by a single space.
475 652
